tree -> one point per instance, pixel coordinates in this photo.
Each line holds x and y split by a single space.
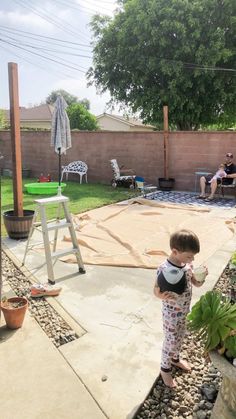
81 118
179 53
51 98
85 102
2 118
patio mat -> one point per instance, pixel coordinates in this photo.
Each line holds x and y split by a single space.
190 198
137 235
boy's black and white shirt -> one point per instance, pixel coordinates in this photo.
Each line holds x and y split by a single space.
175 279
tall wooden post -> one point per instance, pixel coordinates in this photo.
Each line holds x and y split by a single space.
15 139
166 142
0 232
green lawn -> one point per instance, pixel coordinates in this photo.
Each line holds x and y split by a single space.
82 197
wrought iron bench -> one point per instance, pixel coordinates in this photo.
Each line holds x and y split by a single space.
78 167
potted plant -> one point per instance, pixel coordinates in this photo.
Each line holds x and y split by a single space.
18 221
14 310
213 319
166 183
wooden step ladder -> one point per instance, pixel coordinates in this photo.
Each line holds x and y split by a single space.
44 227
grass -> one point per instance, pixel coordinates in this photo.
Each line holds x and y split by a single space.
82 197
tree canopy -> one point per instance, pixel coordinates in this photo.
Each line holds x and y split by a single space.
80 118
180 53
70 99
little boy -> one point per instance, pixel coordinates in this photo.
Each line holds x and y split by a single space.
174 286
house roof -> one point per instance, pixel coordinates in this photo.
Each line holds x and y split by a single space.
37 113
128 121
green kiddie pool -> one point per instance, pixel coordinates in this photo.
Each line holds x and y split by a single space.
44 188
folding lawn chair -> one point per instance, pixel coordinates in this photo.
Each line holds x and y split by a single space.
122 177
143 187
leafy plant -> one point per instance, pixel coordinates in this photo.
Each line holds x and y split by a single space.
233 260
230 346
213 318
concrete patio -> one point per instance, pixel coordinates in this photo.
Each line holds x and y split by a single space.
109 370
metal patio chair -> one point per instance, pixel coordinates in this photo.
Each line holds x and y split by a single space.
222 188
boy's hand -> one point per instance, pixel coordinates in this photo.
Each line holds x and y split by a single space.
199 276
167 295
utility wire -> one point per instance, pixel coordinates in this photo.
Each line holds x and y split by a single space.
84 8
199 66
42 37
190 65
63 26
43 56
43 48
93 4
48 69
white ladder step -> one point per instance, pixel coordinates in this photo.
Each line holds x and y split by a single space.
60 224
60 253
52 200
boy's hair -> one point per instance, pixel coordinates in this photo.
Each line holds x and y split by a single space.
222 165
185 241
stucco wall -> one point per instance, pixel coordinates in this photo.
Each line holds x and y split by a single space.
142 151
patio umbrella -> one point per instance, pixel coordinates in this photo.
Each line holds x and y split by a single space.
60 134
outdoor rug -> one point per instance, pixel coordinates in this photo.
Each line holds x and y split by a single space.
191 199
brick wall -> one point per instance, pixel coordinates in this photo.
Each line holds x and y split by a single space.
142 151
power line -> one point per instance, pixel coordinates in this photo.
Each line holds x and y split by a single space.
41 37
93 4
54 21
34 64
43 56
45 49
200 66
81 7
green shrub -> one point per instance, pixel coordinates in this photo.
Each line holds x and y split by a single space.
213 319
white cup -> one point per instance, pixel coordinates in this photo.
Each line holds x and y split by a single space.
200 273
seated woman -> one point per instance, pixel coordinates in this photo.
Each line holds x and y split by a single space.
230 173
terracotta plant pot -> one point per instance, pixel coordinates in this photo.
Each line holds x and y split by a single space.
18 227
14 310
225 405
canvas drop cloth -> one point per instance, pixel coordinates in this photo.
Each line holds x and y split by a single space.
137 235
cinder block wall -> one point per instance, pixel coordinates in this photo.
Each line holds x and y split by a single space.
142 151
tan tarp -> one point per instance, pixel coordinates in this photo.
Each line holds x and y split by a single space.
137 235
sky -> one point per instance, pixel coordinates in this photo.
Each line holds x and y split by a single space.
50 40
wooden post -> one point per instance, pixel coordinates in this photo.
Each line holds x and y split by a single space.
0 232
15 139
166 142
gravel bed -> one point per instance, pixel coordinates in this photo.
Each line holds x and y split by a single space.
58 331
196 392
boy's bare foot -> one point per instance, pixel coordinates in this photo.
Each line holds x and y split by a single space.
184 365
168 379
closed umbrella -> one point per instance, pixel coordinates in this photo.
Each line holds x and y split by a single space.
60 134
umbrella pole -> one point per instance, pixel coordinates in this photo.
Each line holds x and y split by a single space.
59 172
